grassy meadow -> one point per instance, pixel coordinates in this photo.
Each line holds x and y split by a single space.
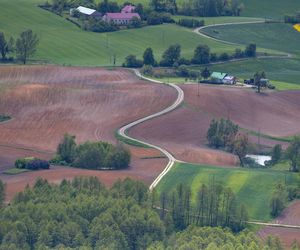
253 187
276 36
270 8
61 42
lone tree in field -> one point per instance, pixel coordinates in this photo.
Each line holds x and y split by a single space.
6 47
257 80
148 57
201 55
250 50
171 55
293 154
26 45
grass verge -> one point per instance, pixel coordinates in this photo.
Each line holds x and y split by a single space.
253 187
15 171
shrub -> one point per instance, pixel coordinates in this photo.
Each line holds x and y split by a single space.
132 62
22 162
31 163
190 23
184 61
250 50
147 70
213 57
224 57
239 53
96 25
182 71
37 164
154 18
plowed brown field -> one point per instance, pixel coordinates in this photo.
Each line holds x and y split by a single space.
290 216
183 132
91 103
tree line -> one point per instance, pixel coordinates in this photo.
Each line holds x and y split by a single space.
215 206
91 155
203 8
171 57
24 47
84 214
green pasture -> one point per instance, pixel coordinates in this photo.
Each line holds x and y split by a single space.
61 42
277 36
253 187
219 20
270 8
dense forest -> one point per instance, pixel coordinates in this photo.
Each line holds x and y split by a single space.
83 214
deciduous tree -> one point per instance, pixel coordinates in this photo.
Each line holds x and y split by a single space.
26 45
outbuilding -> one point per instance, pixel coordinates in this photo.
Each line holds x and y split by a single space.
218 77
229 80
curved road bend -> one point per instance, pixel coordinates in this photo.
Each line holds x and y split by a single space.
200 29
122 130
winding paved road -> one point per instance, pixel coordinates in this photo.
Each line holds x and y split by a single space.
122 130
200 29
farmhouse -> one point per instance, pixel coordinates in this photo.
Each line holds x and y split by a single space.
218 77
120 18
222 78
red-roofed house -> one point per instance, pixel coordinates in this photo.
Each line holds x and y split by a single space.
120 18
128 9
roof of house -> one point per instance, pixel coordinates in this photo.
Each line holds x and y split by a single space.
96 14
229 77
128 9
218 75
122 15
86 11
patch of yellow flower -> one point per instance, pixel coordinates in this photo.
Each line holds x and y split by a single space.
297 27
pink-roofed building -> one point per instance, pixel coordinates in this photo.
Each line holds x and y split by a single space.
128 9
120 18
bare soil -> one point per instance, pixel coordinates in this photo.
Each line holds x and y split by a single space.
92 103
290 216
183 132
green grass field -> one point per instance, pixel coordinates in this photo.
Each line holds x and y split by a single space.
62 42
219 20
252 187
270 8
15 171
276 36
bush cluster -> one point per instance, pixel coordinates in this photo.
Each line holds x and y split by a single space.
96 25
190 22
91 155
31 163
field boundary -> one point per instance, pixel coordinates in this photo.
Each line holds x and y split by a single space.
122 131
